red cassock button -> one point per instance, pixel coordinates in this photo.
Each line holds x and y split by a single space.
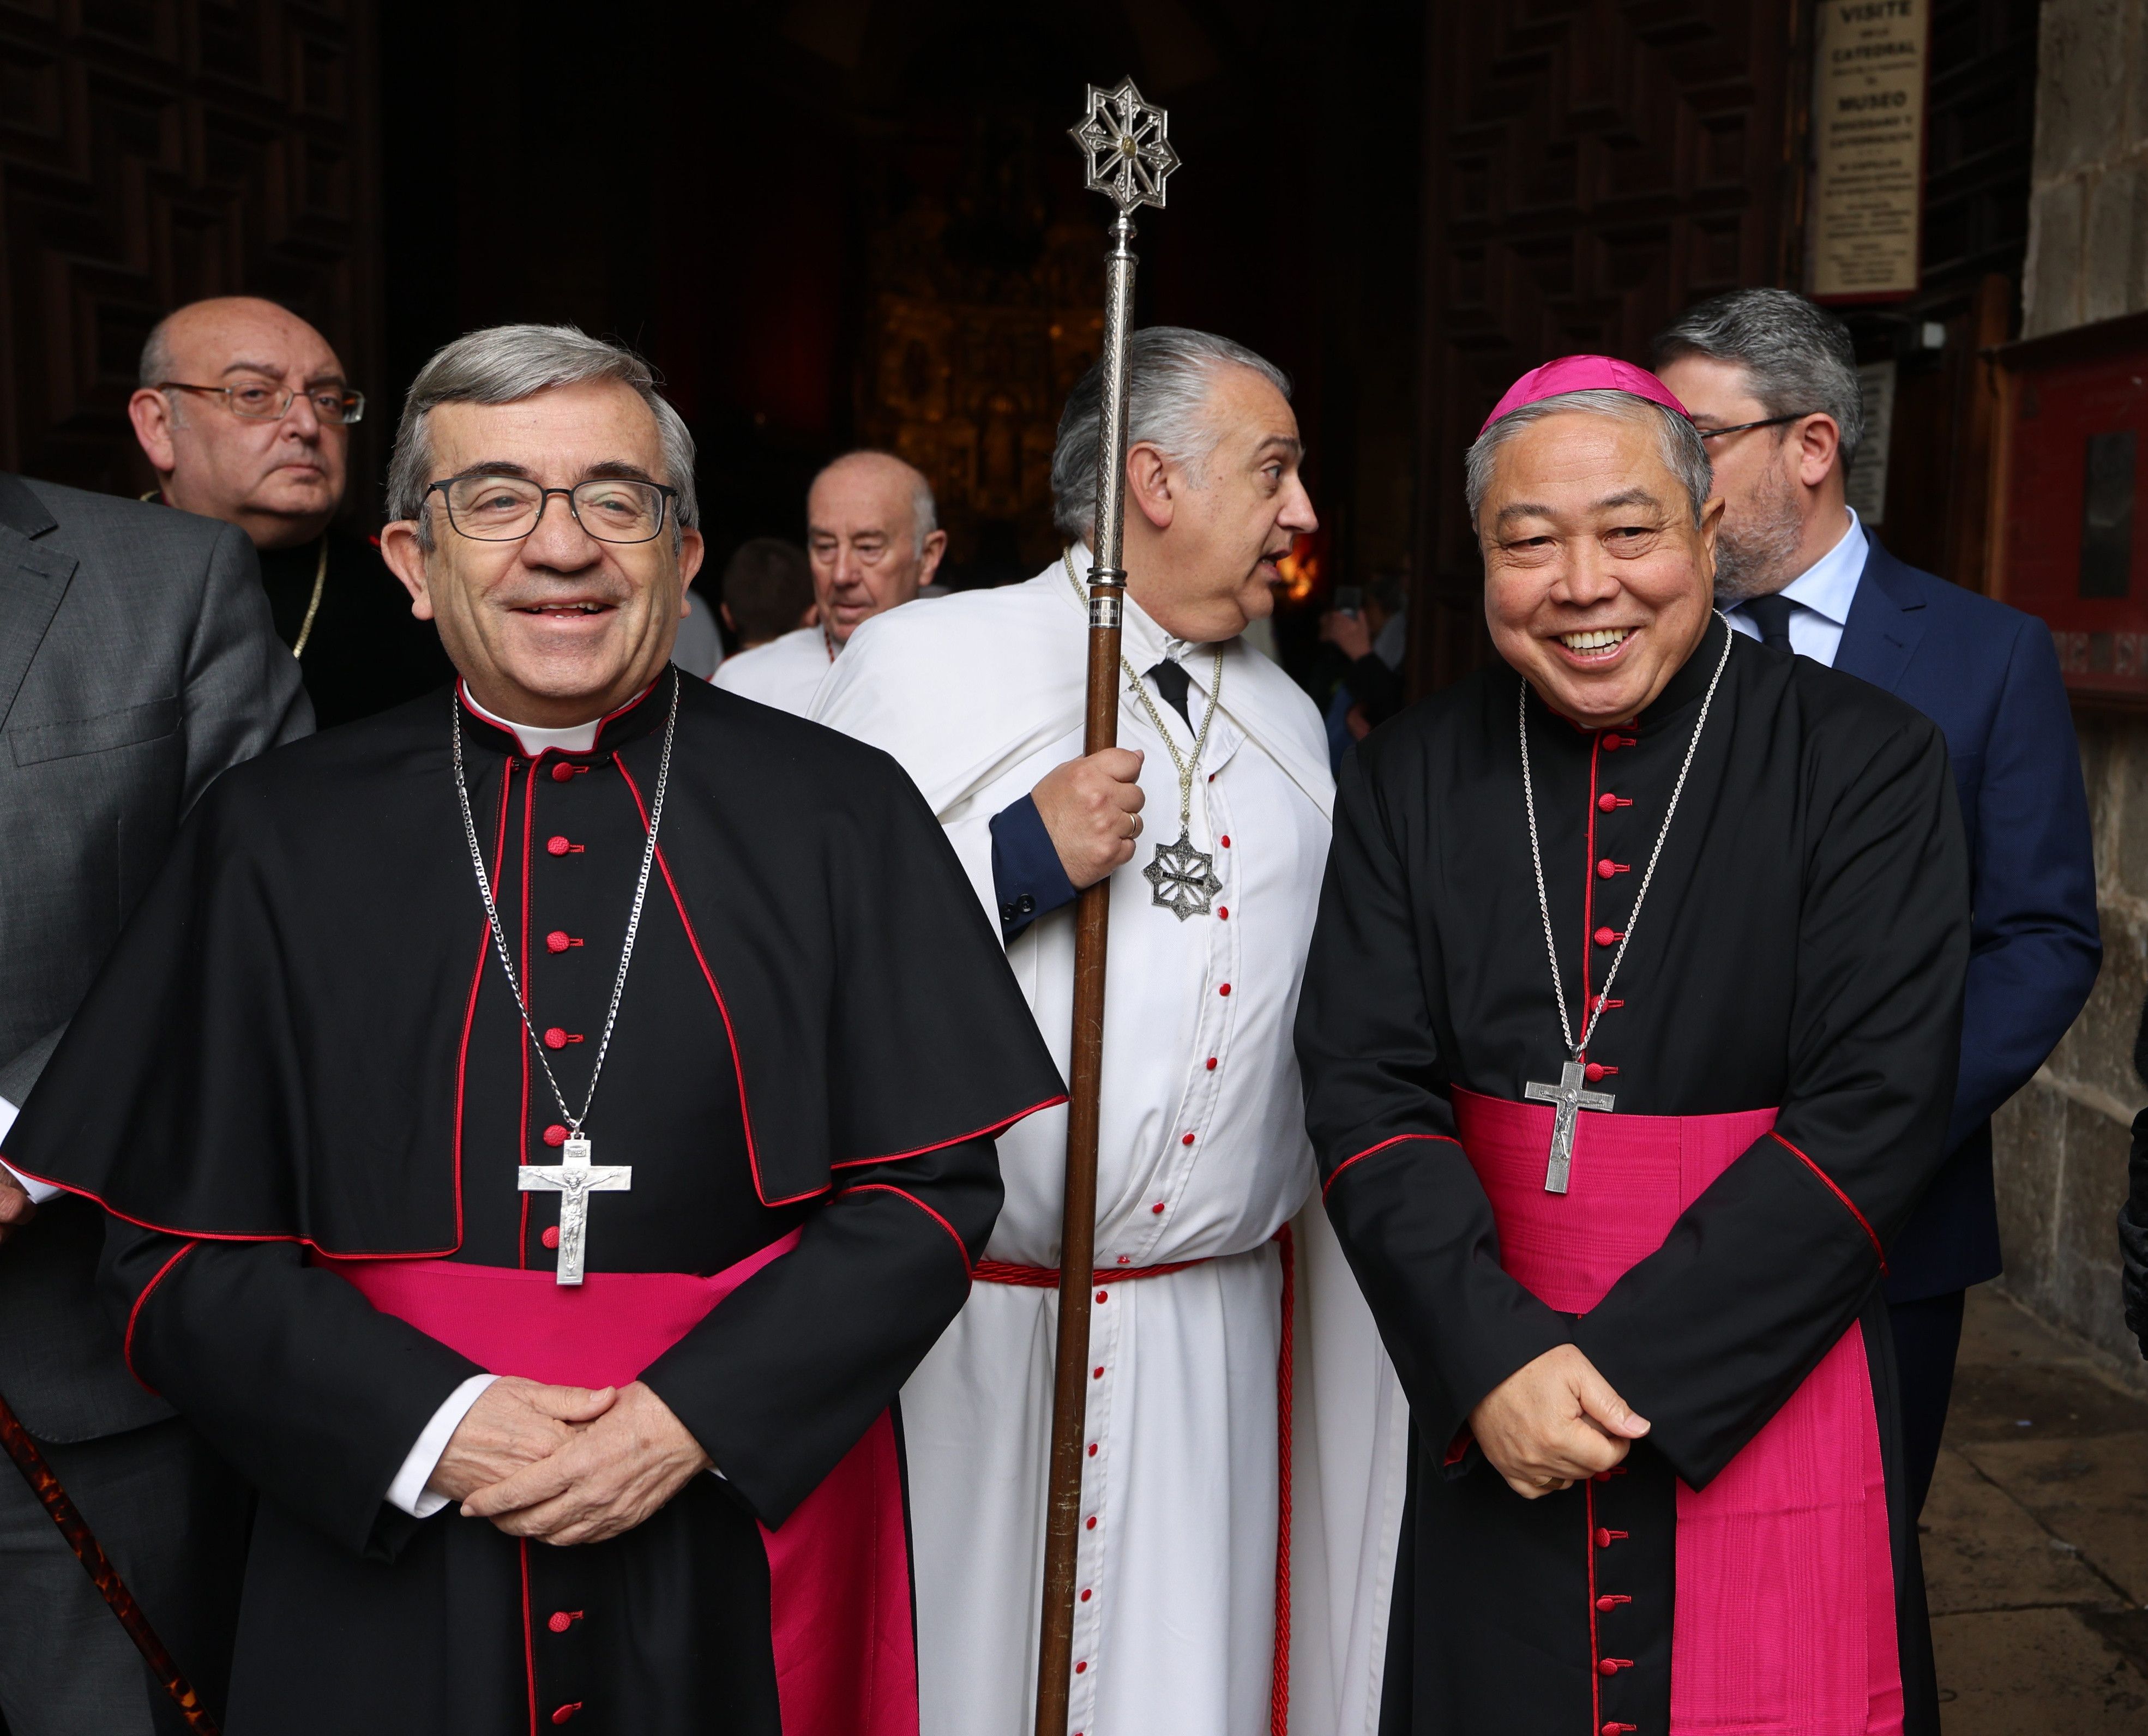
1611 744
1092 1449
562 773
1593 1072
1224 990
1612 1666
1212 1063
1605 937
555 1038
1187 1141
1225 841
1081 1667
1103 1296
560 1621
1223 912
559 940
558 846
1091 1523
1607 801
1606 868
1085 1596
564 1712
1157 1208
555 1135
1603 1538
550 1238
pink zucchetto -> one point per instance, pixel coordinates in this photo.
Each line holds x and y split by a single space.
1583 373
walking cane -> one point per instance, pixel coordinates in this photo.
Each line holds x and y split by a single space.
105 1577
1126 141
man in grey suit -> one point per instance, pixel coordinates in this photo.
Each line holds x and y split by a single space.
137 660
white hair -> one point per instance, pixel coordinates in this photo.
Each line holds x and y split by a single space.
1677 440
507 364
1170 371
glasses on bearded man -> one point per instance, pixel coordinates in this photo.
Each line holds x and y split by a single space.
491 508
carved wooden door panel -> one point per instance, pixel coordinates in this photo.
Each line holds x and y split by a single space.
155 151
1591 167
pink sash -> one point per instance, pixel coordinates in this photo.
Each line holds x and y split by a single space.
838 1567
1785 1617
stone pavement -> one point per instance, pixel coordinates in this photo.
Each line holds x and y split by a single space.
2035 1538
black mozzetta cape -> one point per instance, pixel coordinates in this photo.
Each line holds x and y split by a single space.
304 1045
1804 945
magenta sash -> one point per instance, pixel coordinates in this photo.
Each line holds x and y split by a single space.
838 1567
1785 1618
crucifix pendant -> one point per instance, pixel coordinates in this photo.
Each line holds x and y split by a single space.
1182 879
574 1179
1571 1100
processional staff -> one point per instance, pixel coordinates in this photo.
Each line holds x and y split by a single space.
1127 142
15 1440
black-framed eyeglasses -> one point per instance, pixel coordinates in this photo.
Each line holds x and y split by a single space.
506 508
1716 434
257 402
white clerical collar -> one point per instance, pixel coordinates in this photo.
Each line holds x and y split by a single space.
575 739
1828 586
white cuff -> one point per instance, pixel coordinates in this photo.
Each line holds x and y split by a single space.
38 1192
408 1492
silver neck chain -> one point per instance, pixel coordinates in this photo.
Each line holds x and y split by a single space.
633 922
1536 860
1186 768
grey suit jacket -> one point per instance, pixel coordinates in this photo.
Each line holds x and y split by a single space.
137 661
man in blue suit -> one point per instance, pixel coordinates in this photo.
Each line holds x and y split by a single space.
1771 382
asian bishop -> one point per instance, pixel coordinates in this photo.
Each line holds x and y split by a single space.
1657 1483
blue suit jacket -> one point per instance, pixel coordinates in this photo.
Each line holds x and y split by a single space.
1989 676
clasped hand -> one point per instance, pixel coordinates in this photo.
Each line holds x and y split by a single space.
1553 1422
566 1464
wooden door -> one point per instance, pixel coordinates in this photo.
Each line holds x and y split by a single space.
1591 167
152 151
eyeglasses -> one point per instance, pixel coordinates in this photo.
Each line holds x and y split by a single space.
337 405
1716 434
506 508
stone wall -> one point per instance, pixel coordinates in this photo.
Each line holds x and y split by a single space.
2060 1146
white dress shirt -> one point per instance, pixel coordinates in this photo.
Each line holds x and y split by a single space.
1823 592
38 1192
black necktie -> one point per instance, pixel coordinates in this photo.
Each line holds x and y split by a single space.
1172 682
1771 614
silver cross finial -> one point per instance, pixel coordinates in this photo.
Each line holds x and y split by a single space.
1127 141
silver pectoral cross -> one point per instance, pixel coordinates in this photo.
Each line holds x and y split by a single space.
1571 1100
574 1180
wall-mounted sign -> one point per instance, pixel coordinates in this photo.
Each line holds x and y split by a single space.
2070 545
1868 135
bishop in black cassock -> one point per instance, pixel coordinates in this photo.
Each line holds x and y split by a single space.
304 1091
1768 1083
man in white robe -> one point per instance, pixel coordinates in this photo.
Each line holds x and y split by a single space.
873 538
1203 1161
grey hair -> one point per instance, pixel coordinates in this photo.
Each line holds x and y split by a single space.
1170 371
505 364
1797 358
157 356
1677 440
924 510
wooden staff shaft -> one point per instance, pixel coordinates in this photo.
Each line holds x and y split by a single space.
47 1487
1077 1236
